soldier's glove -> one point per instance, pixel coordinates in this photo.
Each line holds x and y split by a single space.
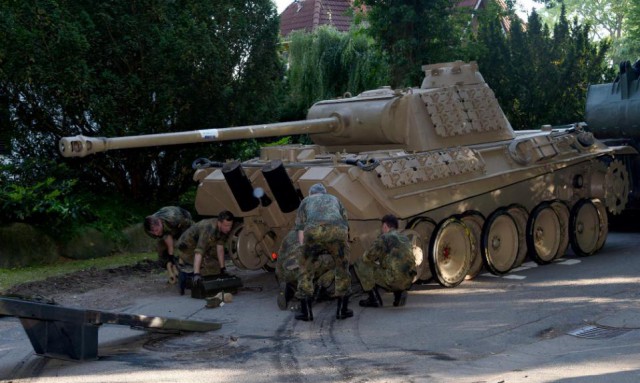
223 272
197 278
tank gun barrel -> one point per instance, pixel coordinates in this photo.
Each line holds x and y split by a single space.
80 146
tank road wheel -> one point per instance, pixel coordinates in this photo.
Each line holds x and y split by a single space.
520 215
420 232
604 223
584 228
474 221
450 252
562 210
242 245
543 234
500 242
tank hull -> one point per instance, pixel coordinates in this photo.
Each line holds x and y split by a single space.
425 190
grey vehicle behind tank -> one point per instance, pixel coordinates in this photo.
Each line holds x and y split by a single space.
612 114
467 188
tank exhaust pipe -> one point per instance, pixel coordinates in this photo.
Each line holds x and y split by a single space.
240 186
281 186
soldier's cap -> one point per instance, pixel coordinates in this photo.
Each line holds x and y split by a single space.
317 189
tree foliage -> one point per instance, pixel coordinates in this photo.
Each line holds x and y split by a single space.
413 33
631 44
327 64
608 20
115 68
539 76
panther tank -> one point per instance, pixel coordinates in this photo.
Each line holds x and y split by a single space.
467 189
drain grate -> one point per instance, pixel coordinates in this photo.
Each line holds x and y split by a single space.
598 332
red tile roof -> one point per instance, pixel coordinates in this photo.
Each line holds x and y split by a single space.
309 14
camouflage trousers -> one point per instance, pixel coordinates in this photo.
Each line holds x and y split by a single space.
209 265
371 274
290 270
324 240
163 255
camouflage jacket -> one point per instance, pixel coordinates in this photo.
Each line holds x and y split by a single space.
203 237
321 209
288 254
393 252
175 220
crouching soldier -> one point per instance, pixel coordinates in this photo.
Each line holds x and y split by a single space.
323 228
288 267
168 224
388 263
202 245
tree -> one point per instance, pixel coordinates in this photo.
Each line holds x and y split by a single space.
413 33
605 16
539 77
327 64
631 44
608 20
127 68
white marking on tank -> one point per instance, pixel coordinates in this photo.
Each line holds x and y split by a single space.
209 134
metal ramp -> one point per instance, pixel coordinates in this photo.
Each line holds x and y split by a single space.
69 333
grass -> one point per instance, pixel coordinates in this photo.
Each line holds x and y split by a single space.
12 277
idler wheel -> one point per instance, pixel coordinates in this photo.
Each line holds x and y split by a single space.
544 234
584 228
474 221
242 245
450 252
500 242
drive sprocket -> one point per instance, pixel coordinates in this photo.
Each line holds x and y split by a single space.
616 187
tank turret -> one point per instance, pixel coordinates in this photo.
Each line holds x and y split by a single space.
443 158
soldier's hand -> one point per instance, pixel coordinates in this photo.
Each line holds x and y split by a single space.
223 272
197 278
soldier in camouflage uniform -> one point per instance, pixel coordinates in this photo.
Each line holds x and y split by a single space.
322 227
168 224
288 268
202 245
388 263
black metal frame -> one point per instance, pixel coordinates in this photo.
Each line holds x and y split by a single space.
69 333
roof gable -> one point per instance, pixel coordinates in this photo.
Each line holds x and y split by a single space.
310 14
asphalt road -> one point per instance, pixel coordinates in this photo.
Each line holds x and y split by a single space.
576 320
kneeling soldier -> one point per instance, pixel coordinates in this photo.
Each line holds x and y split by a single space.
202 245
388 263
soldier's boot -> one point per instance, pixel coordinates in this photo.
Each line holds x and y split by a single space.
321 294
285 294
343 310
374 300
399 298
305 310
